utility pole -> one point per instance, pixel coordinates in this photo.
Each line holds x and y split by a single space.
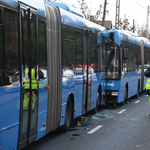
133 26
117 14
104 12
147 22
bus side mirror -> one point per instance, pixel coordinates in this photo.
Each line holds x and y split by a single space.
125 53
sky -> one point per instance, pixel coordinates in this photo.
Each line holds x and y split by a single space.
133 9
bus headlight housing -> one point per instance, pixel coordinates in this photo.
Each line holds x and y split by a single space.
114 93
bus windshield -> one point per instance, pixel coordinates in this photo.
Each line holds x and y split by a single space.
112 62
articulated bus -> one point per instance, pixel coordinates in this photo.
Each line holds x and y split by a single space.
51 69
145 60
126 56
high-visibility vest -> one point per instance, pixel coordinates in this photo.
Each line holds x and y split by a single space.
33 80
27 79
147 86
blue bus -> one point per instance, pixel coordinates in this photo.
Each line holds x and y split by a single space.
51 69
126 56
145 57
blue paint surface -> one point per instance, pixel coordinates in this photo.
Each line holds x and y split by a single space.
42 110
9 115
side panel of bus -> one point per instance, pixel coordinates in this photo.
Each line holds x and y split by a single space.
9 78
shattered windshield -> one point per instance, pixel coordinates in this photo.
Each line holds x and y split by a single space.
112 62
102 60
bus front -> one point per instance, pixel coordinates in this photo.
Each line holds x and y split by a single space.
113 68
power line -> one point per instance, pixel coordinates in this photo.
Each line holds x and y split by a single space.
110 17
130 9
140 5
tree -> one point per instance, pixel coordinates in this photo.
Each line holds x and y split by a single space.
142 32
84 8
87 12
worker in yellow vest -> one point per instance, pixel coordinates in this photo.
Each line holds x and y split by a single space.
33 86
27 88
147 86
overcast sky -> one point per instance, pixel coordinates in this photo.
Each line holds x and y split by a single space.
133 9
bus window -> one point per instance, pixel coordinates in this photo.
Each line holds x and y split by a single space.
113 62
42 51
1 55
79 57
68 58
124 65
9 52
1 16
94 54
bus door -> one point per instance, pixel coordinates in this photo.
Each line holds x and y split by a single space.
86 71
29 75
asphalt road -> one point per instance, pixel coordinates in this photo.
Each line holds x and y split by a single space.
126 127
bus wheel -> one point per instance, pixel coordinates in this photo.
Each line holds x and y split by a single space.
138 91
114 105
99 99
68 116
126 95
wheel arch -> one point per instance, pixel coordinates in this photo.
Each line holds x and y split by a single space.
71 97
100 93
127 86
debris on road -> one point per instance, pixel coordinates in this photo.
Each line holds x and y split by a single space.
100 116
75 134
84 121
86 128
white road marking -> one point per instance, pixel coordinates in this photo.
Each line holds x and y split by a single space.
95 129
137 102
146 95
120 112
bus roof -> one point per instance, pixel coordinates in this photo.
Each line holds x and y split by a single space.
121 35
68 15
145 41
65 7
75 19
37 4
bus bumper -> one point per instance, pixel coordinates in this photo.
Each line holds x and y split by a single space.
111 96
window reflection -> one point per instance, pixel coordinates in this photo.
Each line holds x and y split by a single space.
68 58
9 49
42 50
1 21
78 51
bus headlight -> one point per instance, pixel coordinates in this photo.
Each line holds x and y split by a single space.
114 93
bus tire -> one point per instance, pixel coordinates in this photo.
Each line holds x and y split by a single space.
114 105
126 95
98 102
68 116
99 97
138 91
